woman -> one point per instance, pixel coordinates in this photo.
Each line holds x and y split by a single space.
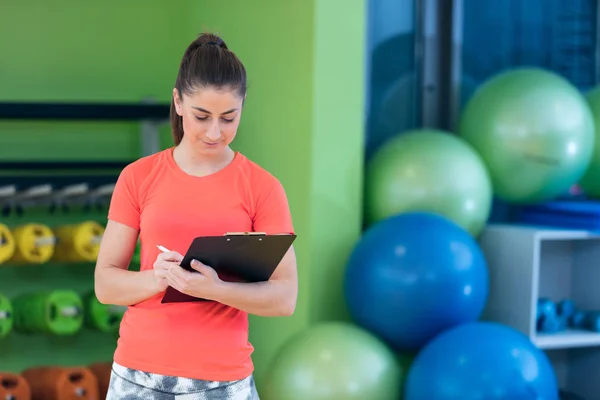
199 187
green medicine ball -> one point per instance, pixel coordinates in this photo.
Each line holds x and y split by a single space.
534 131
429 171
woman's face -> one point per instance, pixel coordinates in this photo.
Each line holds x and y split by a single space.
210 118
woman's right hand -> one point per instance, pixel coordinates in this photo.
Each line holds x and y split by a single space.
163 262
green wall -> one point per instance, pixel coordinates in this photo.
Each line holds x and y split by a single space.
336 149
71 50
303 121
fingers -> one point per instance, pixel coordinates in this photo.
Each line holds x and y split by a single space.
180 273
159 264
171 256
176 282
167 260
177 271
179 278
197 265
161 273
204 269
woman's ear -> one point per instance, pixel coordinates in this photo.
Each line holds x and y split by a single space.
177 101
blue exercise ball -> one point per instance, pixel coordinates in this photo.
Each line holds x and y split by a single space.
413 275
481 360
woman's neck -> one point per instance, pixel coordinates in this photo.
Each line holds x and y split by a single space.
197 164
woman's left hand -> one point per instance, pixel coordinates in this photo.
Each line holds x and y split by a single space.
204 284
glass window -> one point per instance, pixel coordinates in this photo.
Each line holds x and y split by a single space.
391 89
557 35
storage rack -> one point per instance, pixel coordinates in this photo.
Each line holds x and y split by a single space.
527 263
149 114
19 351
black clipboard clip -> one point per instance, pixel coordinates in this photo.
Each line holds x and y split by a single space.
236 257
245 234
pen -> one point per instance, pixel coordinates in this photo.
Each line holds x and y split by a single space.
163 249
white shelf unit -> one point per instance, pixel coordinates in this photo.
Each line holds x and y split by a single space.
527 263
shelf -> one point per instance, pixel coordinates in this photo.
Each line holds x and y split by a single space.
540 232
527 263
53 165
83 111
25 174
566 339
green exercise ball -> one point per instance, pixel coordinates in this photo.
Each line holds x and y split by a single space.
334 361
590 183
534 131
431 171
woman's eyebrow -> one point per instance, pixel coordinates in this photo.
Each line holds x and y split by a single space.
208 112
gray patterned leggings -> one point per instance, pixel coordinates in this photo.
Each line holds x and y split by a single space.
129 384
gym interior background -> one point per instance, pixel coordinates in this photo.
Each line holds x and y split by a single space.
441 160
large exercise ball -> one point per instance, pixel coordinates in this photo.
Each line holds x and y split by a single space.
432 171
414 275
590 182
534 131
481 360
334 360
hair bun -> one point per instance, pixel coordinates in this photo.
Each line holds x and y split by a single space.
210 39
205 65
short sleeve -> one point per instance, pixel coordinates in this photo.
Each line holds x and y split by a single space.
273 214
124 205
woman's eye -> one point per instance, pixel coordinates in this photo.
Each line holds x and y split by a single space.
206 118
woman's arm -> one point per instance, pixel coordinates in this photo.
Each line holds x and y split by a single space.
113 283
276 297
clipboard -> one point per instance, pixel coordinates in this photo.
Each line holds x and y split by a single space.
236 257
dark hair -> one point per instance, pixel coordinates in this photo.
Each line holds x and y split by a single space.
207 62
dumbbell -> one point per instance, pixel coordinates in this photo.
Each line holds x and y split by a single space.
587 320
103 317
545 308
577 320
6 316
7 244
102 370
566 308
58 382
551 324
14 387
547 316
591 321
57 312
78 242
553 317
34 244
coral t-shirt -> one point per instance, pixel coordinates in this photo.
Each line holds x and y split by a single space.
201 340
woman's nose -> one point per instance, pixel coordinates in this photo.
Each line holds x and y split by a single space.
214 133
